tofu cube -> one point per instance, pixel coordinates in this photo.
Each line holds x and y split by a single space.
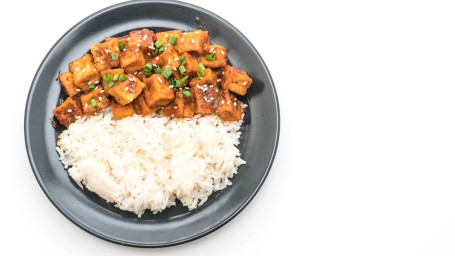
111 72
164 36
193 42
126 91
97 96
141 107
206 99
169 58
157 91
230 109
144 39
132 60
68 112
180 107
118 40
235 80
209 78
220 56
191 64
66 80
121 111
84 72
106 55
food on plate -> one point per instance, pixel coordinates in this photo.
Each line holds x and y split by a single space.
152 118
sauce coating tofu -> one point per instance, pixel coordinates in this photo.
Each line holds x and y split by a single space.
181 107
141 107
169 58
230 109
132 60
191 64
111 72
164 36
235 80
193 42
144 39
68 112
125 92
206 99
208 78
98 97
220 56
66 81
121 111
84 72
157 91
105 55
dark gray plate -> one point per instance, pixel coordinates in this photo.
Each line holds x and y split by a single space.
175 225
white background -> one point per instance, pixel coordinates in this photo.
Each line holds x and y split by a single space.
365 164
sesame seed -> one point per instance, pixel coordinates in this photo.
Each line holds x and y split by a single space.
98 58
218 80
136 50
244 83
216 90
229 102
157 58
140 41
101 91
211 85
197 31
159 78
77 117
235 104
97 81
205 98
169 62
192 41
101 61
77 90
211 49
165 36
145 37
181 40
171 86
131 99
131 79
222 102
172 115
235 99
165 48
76 69
94 69
83 70
126 89
222 52
89 82
176 59
100 98
155 65
134 79
151 47
86 105
175 107
148 54
139 73
135 73
174 68
70 110
222 73
124 50
128 38
138 45
117 48
211 98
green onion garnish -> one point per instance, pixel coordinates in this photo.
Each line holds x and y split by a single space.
147 73
210 56
166 73
110 84
178 83
186 93
201 67
148 67
121 46
200 74
114 56
172 40
155 51
93 103
158 44
182 69
183 60
161 49
122 78
107 78
91 87
116 77
171 81
158 70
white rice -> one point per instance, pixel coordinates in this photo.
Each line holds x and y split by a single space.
144 163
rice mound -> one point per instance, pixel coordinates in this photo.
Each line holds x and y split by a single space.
148 162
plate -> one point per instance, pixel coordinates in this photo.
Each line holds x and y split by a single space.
175 225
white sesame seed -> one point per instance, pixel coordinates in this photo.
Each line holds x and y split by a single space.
165 48
211 49
154 65
126 89
222 52
211 85
216 90
86 105
94 69
205 85
140 41
100 98
98 58
77 90
171 86
244 83
197 31
89 82
235 99
175 107
172 115
117 48
235 104
192 41
131 79
83 70
174 68
136 50
145 37
181 40
97 81
176 59
222 102
76 69
124 50
131 99
134 79
148 54
169 62
128 38
211 98
101 91
157 58
135 73
138 45
229 102
151 47
70 110
159 78
222 73
77 117
205 98
218 80
101 61
139 73
165 36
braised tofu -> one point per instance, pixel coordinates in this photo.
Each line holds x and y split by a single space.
126 91
230 109
106 55
68 112
94 101
121 111
169 58
206 99
66 80
180 107
235 80
218 52
191 63
209 78
144 39
132 60
141 107
193 42
157 91
166 35
84 72
120 41
112 73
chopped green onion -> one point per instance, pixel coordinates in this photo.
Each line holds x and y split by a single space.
121 46
200 74
114 56
210 56
183 60
183 79
147 73
172 40
122 78
116 77
93 103
178 83
110 84
148 67
161 49
91 87
158 44
166 73
171 81
186 93
155 51
158 70
107 78
182 69
201 67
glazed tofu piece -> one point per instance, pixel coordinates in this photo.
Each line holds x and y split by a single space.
169 58
119 41
180 107
68 112
157 91
94 101
220 54
144 39
84 72
66 81
209 78
121 111
235 80
193 42
164 36
132 60
141 107
106 55
230 109
125 92
112 73
191 64
206 99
